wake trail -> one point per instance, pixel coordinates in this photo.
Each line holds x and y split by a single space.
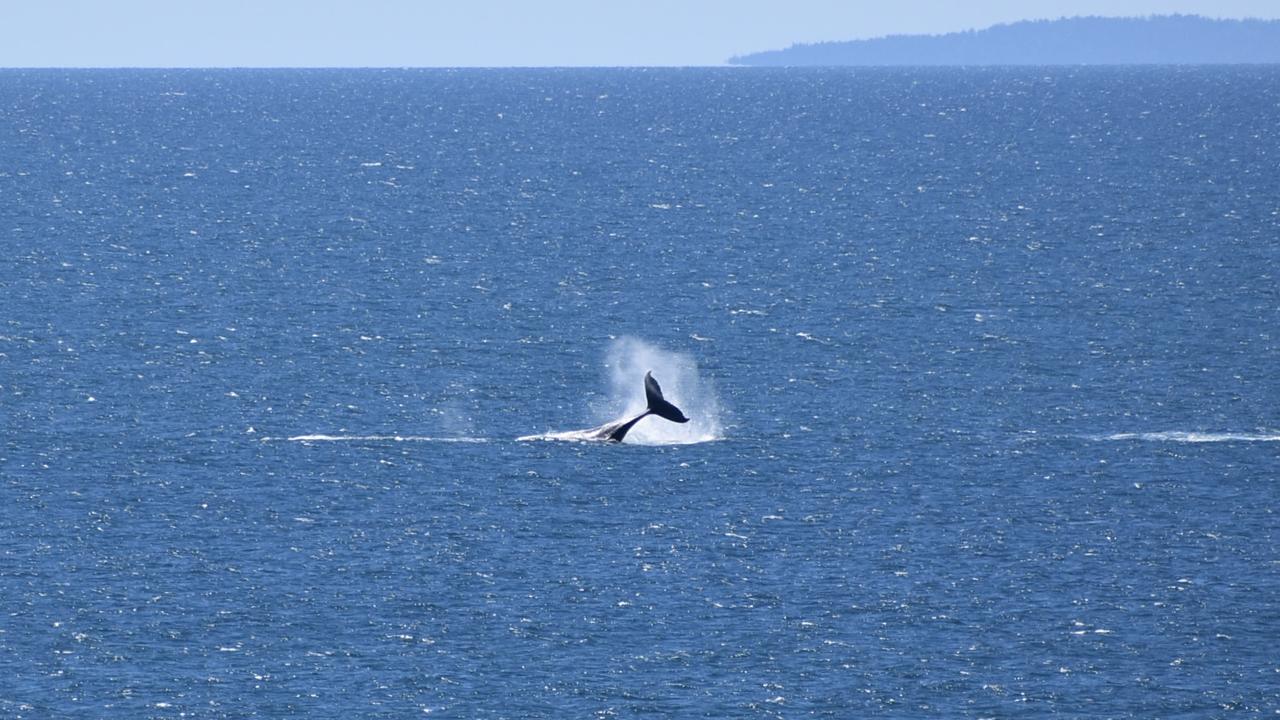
1183 436
592 436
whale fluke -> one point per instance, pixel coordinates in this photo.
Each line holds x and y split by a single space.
658 405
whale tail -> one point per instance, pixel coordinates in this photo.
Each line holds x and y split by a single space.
658 405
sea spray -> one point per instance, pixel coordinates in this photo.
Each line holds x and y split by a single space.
627 360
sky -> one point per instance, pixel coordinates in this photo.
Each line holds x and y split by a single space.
499 33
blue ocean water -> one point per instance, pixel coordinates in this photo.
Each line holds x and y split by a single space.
981 367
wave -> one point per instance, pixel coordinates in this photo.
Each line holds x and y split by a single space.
1181 436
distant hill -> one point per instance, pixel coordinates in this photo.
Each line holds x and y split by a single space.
1158 40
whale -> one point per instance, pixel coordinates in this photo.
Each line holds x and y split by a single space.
658 405
616 431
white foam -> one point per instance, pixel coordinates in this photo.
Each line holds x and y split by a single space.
568 436
1181 436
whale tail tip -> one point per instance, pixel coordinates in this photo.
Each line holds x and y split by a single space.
658 405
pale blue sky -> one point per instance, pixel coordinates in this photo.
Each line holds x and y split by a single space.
488 33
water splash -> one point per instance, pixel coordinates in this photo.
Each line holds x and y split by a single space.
627 360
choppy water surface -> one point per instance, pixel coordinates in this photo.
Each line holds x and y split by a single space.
981 367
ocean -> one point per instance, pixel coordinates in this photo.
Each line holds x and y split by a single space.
980 367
